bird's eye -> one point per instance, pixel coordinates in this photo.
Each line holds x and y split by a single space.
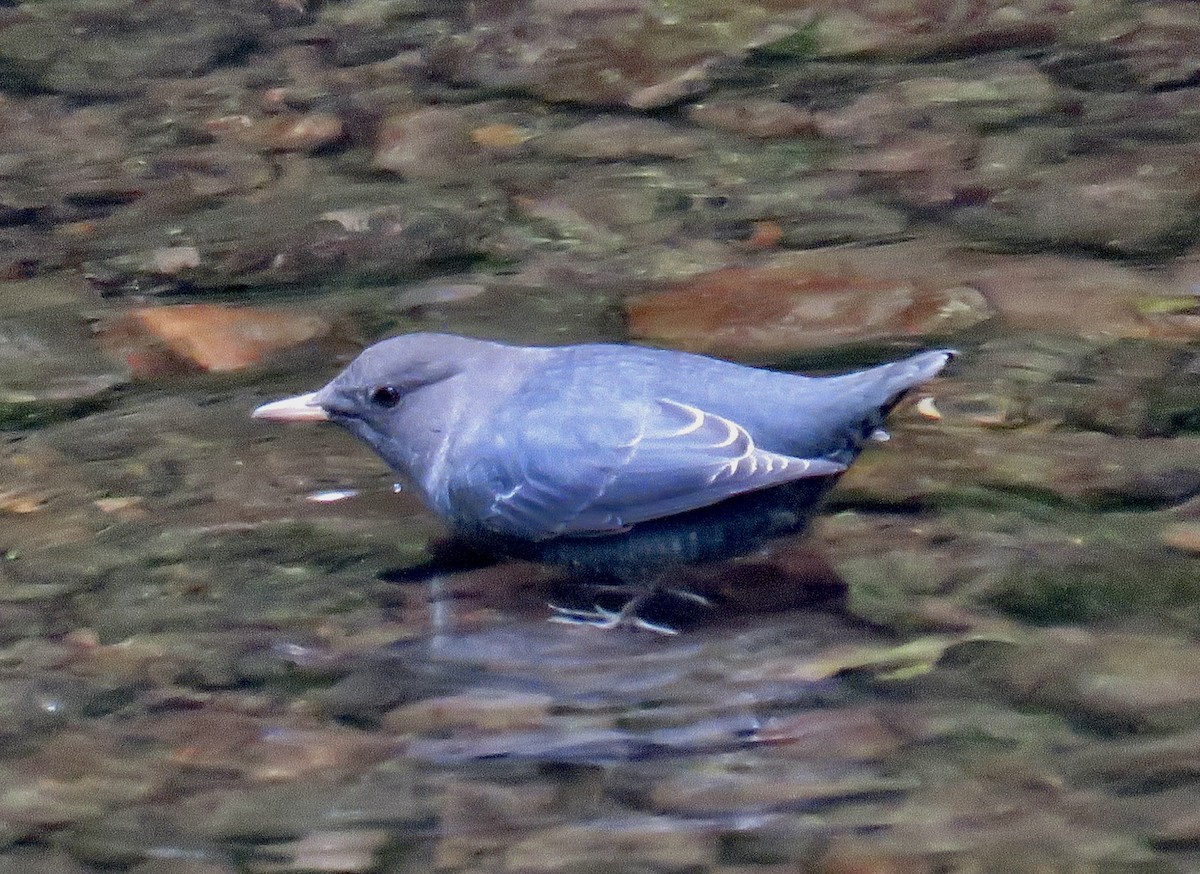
386 396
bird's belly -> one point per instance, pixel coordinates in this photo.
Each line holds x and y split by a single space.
734 527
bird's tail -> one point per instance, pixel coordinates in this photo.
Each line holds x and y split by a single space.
869 395
885 385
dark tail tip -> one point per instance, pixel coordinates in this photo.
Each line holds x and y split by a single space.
925 365
904 376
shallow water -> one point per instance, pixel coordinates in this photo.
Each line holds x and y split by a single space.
227 646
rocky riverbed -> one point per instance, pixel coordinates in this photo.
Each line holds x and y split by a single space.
221 649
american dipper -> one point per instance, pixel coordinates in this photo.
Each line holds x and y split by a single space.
614 461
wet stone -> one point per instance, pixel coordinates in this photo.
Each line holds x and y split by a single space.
756 117
582 313
1137 203
736 783
39 708
20 620
369 691
50 372
994 93
842 735
972 814
431 144
363 32
1065 294
1129 387
1087 582
75 777
871 29
285 811
632 55
203 173
765 844
910 153
479 710
170 340
605 209
807 211
43 293
478 820
1157 49
265 750
777 309
945 725
1135 763
63 163
1045 567
1122 682
110 51
896 586
392 793
1132 473
160 657
310 132
353 234
1046 292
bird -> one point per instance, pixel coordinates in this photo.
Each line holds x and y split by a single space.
616 462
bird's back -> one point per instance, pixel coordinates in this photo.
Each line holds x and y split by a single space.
799 416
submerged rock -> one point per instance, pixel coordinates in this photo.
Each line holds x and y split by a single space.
873 28
794 305
1140 202
112 49
431 143
344 233
638 54
609 138
1159 45
1125 682
940 464
161 341
920 288
759 117
49 372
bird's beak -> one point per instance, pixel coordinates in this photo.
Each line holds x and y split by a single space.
301 408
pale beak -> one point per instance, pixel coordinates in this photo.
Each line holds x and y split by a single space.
301 408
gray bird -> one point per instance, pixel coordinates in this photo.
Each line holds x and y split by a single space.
614 461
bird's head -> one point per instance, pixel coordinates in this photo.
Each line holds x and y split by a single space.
372 391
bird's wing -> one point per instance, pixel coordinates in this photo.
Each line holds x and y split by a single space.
609 469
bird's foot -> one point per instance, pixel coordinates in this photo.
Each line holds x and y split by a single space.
627 616
599 617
